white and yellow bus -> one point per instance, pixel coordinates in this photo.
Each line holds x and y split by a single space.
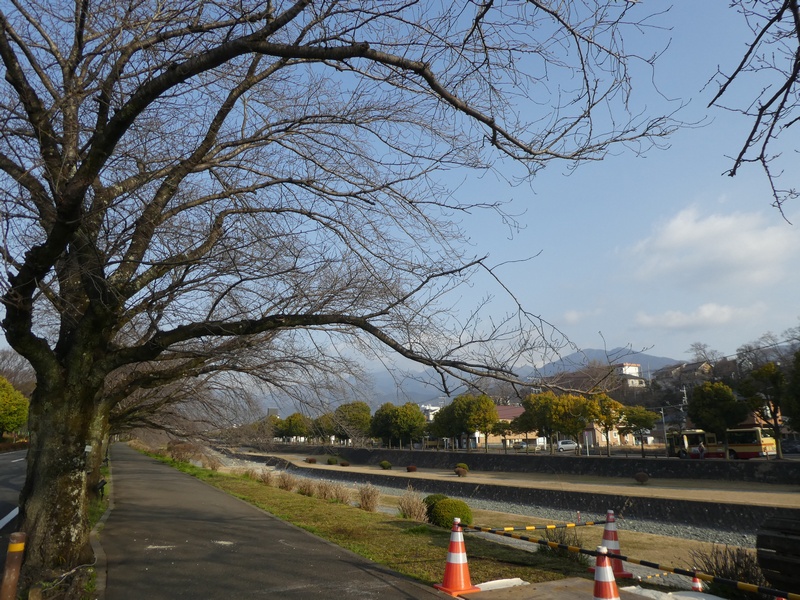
743 443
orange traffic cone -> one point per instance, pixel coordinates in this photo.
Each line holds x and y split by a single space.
456 572
611 542
697 585
605 586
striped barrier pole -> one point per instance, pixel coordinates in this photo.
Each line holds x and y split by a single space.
739 585
16 549
543 527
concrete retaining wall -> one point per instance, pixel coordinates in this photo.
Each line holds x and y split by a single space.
731 517
761 471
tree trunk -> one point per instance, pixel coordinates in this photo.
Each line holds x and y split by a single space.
54 501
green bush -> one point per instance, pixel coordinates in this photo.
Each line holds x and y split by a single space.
430 502
385 465
462 466
444 511
332 460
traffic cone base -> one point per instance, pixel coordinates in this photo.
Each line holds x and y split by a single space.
605 586
697 585
456 572
611 543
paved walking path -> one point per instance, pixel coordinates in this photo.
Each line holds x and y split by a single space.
169 535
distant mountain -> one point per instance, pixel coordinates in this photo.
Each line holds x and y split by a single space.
578 360
423 387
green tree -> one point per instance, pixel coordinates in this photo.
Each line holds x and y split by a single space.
538 416
466 414
638 421
296 425
13 408
765 389
610 414
714 407
791 411
353 421
324 427
573 413
382 424
481 416
503 429
409 423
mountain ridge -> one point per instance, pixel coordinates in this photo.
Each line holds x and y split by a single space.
418 387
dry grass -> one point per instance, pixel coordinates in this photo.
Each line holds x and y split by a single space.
410 506
286 481
307 487
267 477
368 497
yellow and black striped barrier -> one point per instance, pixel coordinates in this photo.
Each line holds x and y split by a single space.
745 587
540 527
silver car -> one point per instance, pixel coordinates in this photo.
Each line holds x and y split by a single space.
566 445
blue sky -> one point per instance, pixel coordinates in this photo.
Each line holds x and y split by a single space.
664 250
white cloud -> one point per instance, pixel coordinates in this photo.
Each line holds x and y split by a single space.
704 316
741 249
572 317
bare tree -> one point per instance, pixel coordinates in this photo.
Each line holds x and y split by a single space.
185 183
768 76
17 371
703 352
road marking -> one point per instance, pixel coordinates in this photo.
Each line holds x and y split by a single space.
8 517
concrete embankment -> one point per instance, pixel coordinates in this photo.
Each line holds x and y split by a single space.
571 482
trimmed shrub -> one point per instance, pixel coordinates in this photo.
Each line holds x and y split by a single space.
462 466
444 511
430 501
368 496
344 463
433 499
385 465
411 506
460 472
641 477
411 468
332 460
311 461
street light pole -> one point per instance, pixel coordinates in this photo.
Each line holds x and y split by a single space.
664 427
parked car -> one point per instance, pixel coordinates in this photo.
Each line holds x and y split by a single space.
566 445
520 445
